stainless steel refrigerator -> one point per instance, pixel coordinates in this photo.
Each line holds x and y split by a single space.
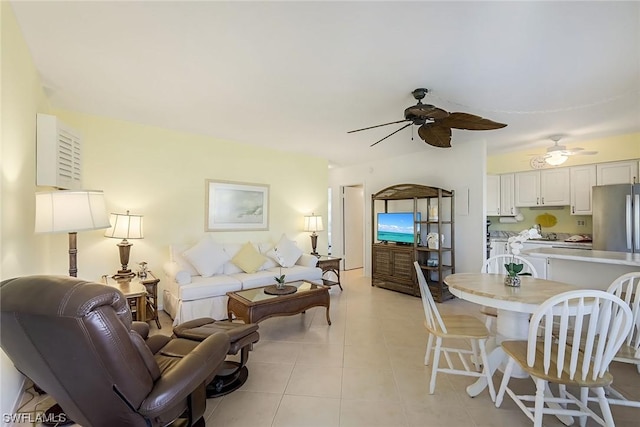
616 217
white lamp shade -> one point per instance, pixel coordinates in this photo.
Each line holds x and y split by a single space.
125 226
556 158
70 211
313 223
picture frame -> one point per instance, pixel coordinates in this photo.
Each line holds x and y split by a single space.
236 206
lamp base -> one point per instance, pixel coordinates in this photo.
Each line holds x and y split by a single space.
123 274
314 243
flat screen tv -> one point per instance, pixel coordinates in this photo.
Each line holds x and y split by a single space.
397 227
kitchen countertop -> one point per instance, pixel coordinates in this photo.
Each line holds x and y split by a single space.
550 243
602 257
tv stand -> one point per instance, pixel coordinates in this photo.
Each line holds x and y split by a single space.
392 263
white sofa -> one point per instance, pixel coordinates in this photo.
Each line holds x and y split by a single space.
196 286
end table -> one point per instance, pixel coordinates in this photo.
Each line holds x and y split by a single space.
142 295
330 264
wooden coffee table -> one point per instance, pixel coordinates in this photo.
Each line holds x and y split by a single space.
254 305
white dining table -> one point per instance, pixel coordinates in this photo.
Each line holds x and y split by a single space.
514 305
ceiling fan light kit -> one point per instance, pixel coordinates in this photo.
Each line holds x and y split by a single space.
436 123
558 154
556 158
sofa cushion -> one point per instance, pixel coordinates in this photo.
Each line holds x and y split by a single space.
207 257
298 272
248 258
285 252
207 287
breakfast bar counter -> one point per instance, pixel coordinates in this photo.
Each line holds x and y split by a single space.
603 257
586 268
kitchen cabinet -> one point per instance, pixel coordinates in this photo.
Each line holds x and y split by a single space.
543 188
582 178
493 195
617 173
508 195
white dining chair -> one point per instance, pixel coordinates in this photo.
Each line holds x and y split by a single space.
495 265
627 287
456 327
577 357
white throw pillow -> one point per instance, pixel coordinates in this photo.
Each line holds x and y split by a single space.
176 256
206 256
285 252
264 250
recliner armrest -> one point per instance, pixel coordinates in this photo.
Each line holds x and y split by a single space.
193 369
141 328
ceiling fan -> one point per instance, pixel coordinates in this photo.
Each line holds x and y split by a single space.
436 123
558 154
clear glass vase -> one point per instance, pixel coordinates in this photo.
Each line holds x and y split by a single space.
513 281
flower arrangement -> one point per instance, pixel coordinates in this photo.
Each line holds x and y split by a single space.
279 280
515 245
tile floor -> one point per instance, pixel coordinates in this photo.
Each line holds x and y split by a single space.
366 369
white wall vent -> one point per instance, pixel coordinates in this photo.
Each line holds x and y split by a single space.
58 154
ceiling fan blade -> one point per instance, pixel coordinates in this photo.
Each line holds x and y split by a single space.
426 111
469 122
587 153
377 126
436 135
393 133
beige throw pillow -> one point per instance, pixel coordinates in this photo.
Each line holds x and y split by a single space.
248 258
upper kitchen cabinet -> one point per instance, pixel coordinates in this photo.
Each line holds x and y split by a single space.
617 173
508 195
493 195
543 188
582 179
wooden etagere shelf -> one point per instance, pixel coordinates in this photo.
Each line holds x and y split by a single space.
392 264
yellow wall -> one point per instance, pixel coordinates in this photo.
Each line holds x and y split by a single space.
150 171
622 147
567 223
21 251
161 174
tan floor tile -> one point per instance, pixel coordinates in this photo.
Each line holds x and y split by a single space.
244 409
358 413
369 384
267 377
266 351
307 380
419 415
328 355
294 411
361 356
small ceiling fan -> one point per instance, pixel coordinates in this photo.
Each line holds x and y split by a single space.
558 154
436 123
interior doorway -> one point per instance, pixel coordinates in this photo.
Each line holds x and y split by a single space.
353 226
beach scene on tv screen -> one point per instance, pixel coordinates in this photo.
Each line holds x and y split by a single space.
396 228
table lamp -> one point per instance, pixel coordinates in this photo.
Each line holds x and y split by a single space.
313 223
70 211
124 226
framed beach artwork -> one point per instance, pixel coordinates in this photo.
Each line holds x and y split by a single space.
236 206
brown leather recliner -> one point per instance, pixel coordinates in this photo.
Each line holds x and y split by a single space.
75 340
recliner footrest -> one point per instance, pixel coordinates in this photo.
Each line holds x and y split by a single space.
241 336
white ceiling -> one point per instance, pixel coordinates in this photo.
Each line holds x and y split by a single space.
299 75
